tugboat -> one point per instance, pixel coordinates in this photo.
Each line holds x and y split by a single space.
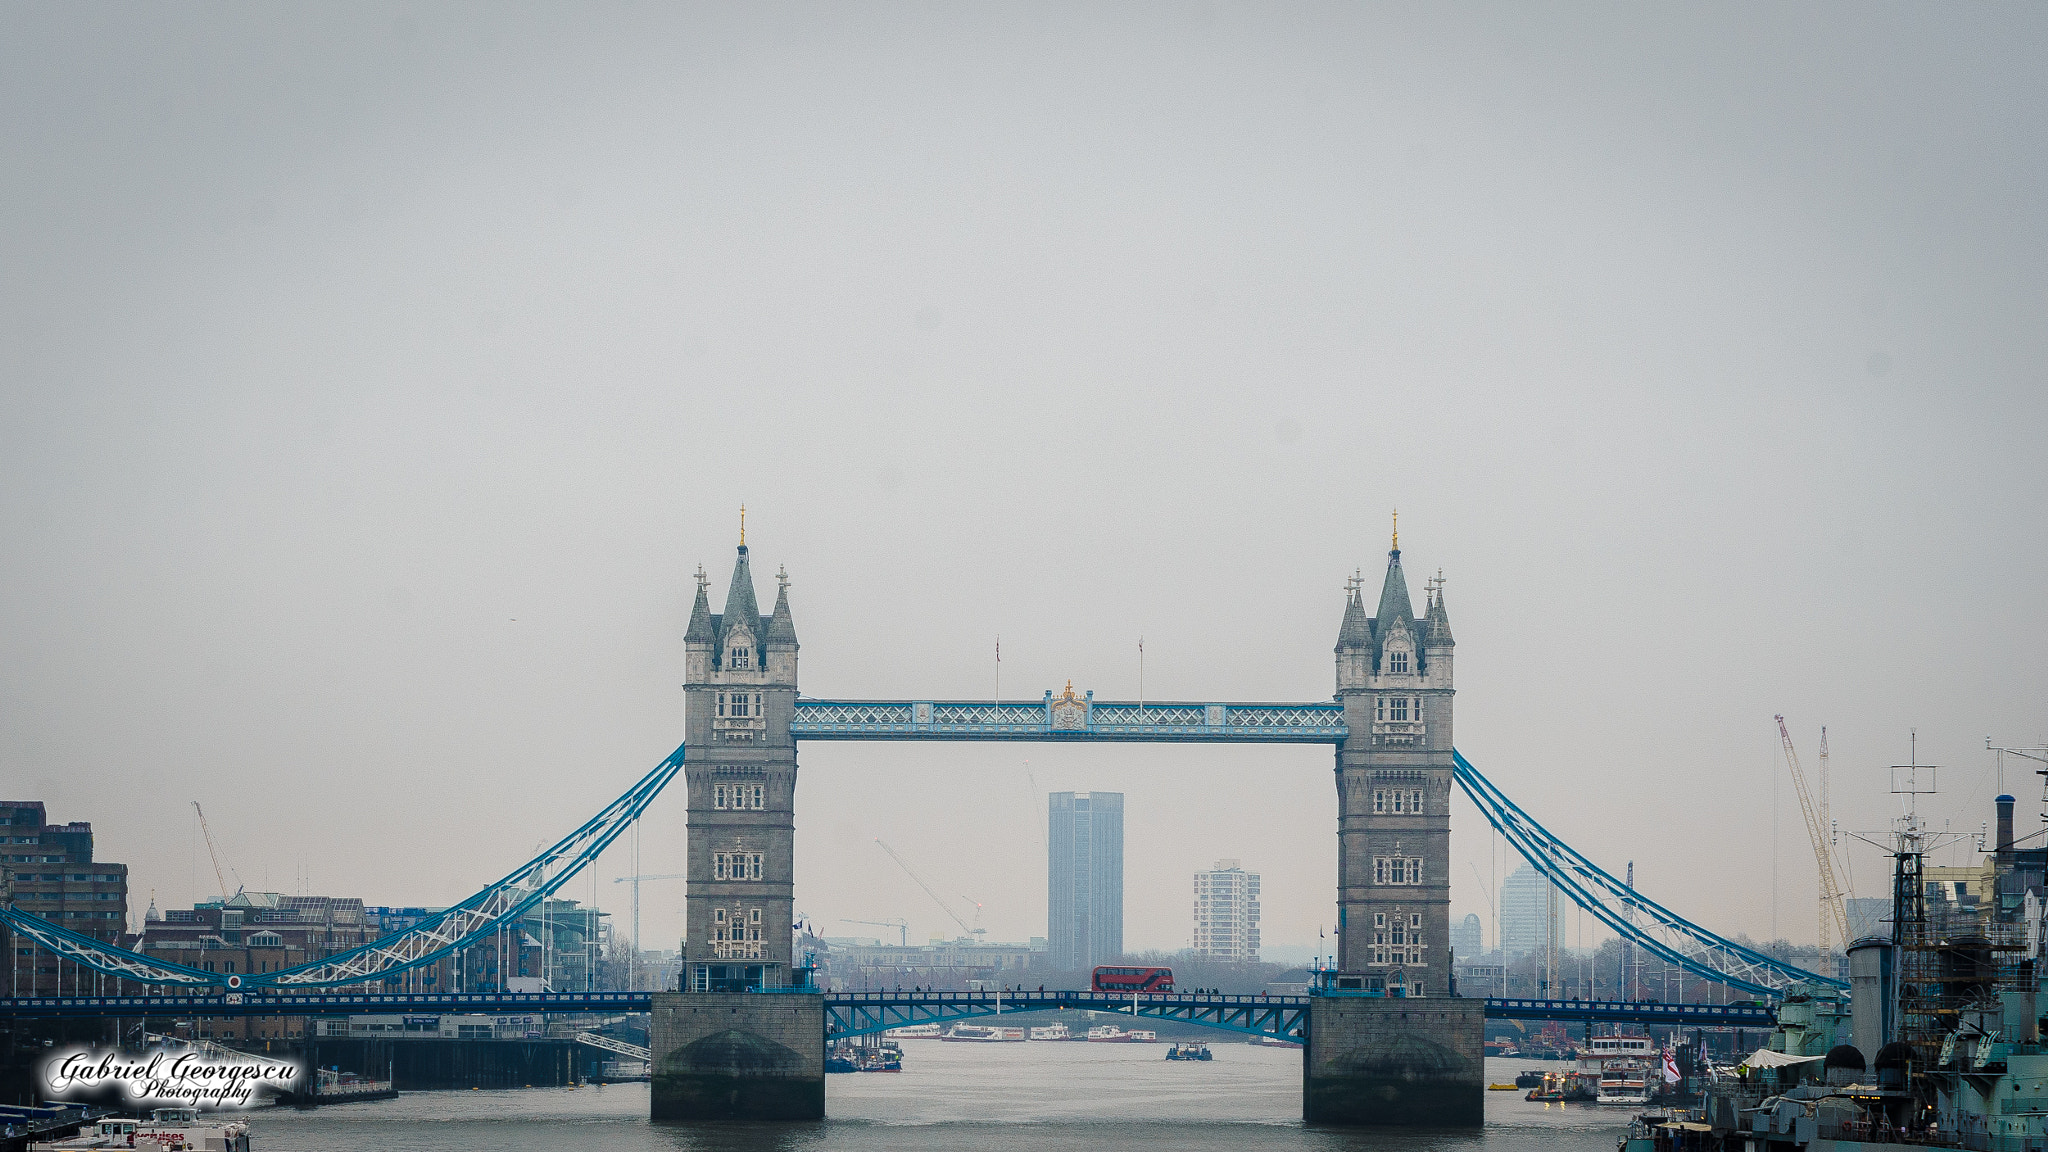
1194 1051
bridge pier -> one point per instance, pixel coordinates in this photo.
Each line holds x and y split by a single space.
1395 1062
738 1056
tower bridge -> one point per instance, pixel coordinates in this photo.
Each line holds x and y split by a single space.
1387 1041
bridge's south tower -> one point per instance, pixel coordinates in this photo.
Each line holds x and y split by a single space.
1394 788
740 765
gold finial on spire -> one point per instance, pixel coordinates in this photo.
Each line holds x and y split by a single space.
743 525
1397 530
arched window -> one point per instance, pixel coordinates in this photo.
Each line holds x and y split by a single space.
740 656
1397 662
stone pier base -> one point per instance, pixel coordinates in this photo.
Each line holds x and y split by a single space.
1395 1062
738 1056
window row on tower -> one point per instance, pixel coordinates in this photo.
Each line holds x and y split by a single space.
1397 870
1396 801
1398 709
735 939
754 796
735 865
739 705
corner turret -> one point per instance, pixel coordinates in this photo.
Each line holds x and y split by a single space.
1354 639
782 645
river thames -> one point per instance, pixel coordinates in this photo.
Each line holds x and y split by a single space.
950 1096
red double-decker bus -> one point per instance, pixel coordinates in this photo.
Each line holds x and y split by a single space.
1134 979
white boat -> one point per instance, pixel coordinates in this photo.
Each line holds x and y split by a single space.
1624 1082
984 1034
916 1032
1051 1032
1140 1036
166 1129
1108 1034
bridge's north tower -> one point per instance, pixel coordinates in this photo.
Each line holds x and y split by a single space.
1394 789
740 767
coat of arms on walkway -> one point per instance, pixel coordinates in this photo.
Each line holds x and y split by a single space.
1069 712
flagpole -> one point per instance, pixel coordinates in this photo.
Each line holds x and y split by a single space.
1141 679
998 718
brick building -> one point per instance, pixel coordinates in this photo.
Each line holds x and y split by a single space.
50 872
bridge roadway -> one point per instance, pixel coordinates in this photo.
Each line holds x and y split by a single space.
860 1013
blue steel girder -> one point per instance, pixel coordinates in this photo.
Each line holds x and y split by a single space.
301 1004
1627 911
864 1013
502 904
1070 718
1634 1012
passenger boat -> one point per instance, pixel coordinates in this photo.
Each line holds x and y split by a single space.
1624 1082
916 1032
1108 1034
984 1034
1276 1042
1051 1032
166 1129
1141 1036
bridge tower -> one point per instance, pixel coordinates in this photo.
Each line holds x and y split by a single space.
739 696
1394 789
1387 1043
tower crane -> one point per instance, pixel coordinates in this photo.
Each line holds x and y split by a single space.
1834 914
214 854
901 926
943 906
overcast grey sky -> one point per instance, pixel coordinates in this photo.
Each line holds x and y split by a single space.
374 377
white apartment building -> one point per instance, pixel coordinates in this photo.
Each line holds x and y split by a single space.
1227 913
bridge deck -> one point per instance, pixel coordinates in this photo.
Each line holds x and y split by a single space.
858 1013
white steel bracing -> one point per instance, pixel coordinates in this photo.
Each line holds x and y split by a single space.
1629 913
593 1040
501 905
1834 915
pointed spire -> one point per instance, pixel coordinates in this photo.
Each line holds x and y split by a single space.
1356 631
1394 603
1436 632
781 626
740 609
700 613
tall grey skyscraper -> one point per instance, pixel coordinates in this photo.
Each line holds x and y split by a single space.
1227 913
1085 878
1524 913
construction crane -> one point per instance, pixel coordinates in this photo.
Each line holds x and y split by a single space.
902 928
1834 914
943 906
214 853
634 975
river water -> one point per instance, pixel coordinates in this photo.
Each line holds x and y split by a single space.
1040 1097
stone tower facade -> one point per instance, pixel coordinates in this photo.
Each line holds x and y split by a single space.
1394 789
739 696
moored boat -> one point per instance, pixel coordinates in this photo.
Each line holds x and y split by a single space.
166 1128
1050 1032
